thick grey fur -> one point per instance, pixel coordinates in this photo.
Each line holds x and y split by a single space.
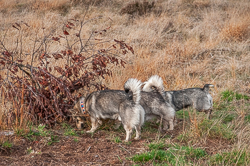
130 111
154 104
198 98
103 105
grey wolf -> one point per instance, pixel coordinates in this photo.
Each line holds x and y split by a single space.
131 113
198 98
115 104
154 104
103 104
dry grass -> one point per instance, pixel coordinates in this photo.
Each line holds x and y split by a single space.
187 50
187 42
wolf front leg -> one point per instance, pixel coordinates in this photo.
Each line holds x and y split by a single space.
94 124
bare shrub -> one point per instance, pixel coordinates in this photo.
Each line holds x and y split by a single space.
45 84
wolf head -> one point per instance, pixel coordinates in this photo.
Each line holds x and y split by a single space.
77 112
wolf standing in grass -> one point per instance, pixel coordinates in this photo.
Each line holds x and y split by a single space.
198 98
154 104
130 111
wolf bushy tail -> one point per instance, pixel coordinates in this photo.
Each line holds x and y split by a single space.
154 83
207 86
133 85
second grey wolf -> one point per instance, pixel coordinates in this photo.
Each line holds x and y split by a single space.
131 113
154 103
198 98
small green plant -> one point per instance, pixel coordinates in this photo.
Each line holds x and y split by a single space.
128 143
240 157
119 159
19 132
117 140
230 96
70 132
29 150
76 140
7 144
53 139
41 130
31 135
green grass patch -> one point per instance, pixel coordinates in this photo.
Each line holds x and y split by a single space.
68 130
240 157
117 140
216 130
156 146
32 134
228 118
247 118
6 144
182 114
150 127
183 137
230 96
174 155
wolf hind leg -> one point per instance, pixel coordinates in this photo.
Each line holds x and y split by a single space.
138 132
128 132
171 124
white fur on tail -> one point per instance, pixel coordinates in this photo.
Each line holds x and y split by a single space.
137 117
134 85
154 81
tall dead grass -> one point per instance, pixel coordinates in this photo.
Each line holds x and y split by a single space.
187 43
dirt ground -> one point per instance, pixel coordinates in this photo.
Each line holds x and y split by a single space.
87 149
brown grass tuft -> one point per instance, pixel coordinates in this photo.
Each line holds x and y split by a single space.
237 29
140 8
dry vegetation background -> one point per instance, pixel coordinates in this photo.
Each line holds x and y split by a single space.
187 42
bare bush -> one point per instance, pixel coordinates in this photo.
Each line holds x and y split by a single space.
44 82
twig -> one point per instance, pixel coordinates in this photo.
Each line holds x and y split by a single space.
88 149
124 149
